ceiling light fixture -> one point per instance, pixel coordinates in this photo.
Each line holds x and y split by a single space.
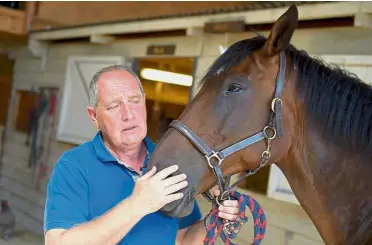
166 77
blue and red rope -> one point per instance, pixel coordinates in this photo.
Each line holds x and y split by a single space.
216 224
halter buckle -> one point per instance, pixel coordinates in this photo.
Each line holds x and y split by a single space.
214 155
273 103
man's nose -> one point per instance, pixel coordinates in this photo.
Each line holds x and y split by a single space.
126 112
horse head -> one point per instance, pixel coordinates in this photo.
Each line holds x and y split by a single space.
240 94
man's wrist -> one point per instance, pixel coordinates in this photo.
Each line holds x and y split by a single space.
136 207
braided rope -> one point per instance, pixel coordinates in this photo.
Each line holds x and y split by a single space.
216 225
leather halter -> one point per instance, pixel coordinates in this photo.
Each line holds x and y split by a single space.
274 129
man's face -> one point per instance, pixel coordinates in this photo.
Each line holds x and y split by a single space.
121 109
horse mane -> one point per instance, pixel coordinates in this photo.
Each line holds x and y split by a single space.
336 102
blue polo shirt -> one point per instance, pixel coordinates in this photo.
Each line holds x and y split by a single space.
88 180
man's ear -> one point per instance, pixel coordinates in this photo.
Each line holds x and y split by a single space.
93 115
281 32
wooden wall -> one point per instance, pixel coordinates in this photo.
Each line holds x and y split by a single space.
79 13
16 181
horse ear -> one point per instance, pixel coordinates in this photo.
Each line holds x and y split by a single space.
282 31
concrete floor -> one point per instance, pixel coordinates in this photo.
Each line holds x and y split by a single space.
18 242
24 238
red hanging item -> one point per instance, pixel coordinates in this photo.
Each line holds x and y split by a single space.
43 170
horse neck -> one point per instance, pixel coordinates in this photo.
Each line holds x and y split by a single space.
333 188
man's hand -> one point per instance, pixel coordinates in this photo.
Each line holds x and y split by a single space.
153 191
229 210
195 234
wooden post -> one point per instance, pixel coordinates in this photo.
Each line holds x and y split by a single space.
156 109
31 12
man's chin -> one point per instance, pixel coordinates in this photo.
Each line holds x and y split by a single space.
132 139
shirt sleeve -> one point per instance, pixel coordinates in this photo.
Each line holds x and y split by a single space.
192 218
67 197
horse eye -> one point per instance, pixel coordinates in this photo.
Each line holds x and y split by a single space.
233 88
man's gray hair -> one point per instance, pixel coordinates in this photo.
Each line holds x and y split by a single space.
93 91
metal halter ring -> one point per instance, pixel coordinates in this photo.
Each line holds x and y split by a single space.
266 135
214 155
267 153
273 103
218 200
225 195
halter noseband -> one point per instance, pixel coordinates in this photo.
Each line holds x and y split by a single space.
274 129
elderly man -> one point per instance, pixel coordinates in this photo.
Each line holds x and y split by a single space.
101 192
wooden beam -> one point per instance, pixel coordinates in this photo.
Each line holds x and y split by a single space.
194 31
35 22
101 39
156 109
366 7
31 10
41 24
12 21
40 49
262 16
363 20
158 92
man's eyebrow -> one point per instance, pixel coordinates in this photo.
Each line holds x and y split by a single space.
110 101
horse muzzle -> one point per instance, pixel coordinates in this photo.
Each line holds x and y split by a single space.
182 207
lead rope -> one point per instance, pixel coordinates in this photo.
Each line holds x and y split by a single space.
215 228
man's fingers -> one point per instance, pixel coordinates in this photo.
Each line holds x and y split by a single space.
174 197
148 174
231 203
167 171
174 179
229 210
216 192
176 187
226 216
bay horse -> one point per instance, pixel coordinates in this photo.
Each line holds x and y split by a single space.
266 102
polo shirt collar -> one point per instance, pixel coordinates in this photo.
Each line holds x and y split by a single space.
105 155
